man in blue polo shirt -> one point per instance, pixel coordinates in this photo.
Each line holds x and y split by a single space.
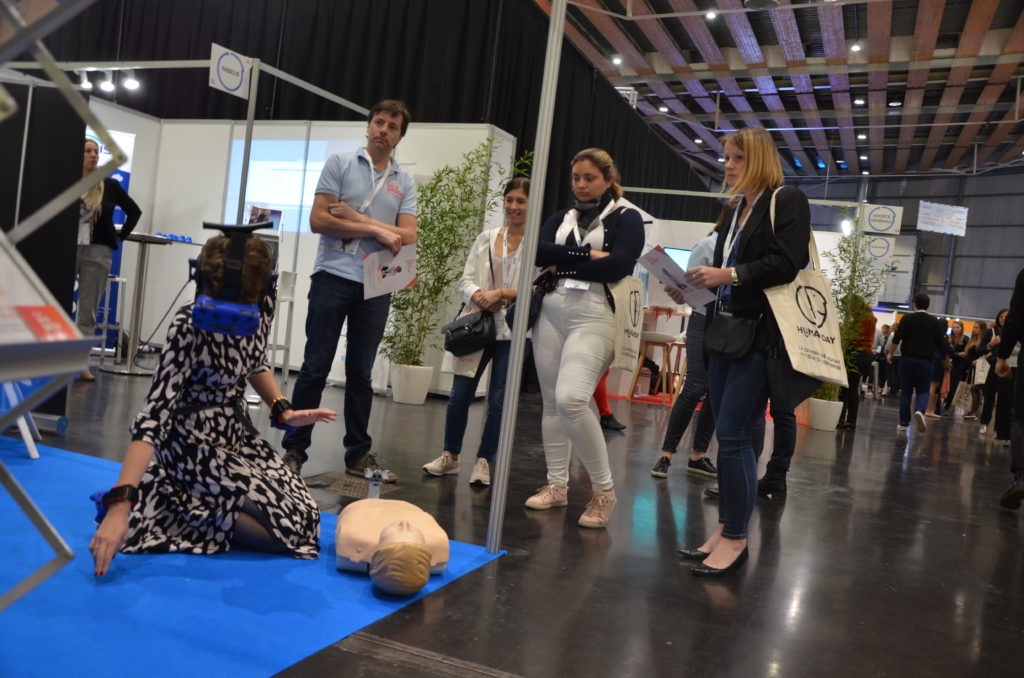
364 203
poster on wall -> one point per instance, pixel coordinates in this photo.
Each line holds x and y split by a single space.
881 219
939 218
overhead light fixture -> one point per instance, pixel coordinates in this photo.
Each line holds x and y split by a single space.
721 160
130 82
858 101
760 4
108 84
698 141
895 104
83 81
862 136
855 47
711 15
865 172
863 157
617 60
663 109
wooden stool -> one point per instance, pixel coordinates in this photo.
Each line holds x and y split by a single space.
655 340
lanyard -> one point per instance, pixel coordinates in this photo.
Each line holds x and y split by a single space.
506 268
376 189
732 240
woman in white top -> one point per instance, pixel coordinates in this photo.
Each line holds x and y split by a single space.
488 283
584 249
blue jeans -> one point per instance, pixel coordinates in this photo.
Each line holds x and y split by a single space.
739 394
694 388
332 301
463 389
915 375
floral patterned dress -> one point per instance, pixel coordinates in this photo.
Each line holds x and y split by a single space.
209 458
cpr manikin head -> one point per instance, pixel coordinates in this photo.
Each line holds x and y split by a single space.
401 563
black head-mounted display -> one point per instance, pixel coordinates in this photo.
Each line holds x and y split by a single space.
222 312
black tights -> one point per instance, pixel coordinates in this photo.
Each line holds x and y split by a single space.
252 531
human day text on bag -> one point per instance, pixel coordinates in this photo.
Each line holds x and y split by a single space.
629 318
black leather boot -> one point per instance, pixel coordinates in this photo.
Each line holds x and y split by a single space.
772 485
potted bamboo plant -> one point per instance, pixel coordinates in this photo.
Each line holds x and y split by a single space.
452 207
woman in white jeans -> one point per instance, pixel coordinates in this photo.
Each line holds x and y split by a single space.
585 248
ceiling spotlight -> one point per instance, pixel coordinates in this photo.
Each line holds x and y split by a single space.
108 84
617 60
862 136
858 101
698 141
83 81
865 172
721 160
863 157
130 82
663 109
895 104
711 15
855 47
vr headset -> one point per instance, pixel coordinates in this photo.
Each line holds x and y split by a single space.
223 313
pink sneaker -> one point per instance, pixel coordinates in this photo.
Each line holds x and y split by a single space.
549 496
599 509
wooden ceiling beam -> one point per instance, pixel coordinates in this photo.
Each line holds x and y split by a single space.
988 98
879 41
979 18
833 40
584 45
1003 129
619 39
926 32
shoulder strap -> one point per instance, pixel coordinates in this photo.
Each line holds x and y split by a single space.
812 246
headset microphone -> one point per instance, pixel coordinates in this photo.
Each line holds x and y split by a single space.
222 313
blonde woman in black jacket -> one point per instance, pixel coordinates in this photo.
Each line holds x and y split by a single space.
97 240
749 257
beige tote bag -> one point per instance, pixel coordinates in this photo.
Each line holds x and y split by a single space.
629 318
807 318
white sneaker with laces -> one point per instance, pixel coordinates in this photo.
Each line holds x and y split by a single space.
983 430
920 422
481 473
446 464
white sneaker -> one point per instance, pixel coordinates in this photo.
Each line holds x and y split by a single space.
481 472
983 430
900 429
445 465
920 422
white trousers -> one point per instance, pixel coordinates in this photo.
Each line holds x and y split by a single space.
572 347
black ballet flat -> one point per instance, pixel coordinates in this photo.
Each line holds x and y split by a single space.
707 571
693 554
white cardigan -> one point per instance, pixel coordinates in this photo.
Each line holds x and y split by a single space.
477 276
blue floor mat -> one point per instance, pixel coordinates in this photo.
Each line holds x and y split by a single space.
169 614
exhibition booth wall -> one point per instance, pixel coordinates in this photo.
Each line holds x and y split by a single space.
186 172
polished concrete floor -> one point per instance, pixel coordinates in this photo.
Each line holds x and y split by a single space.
889 557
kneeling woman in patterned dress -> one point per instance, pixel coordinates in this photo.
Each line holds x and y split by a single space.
197 477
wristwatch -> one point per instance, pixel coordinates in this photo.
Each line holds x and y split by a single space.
128 493
734 279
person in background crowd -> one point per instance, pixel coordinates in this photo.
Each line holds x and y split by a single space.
958 370
608 420
365 203
695 384
1007 367
998 390
881 348
585 248
920 336
753 254
861 358
488 283
976 350
97 240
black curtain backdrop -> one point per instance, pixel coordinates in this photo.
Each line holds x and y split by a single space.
53 161
450 60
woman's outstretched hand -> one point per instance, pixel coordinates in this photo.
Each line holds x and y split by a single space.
109 537
306 417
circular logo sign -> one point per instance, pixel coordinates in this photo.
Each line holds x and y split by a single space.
230 71
635 309
878 247
881 218
812 304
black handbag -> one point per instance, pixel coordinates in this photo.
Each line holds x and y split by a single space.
729 336
544 283
473 332
470 333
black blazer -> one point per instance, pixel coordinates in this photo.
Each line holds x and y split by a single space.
766 259
103 231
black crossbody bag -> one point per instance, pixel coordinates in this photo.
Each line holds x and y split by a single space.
473 332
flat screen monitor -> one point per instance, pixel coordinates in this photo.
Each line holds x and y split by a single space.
680 256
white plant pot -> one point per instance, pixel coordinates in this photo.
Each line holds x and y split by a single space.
825 414
410 383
